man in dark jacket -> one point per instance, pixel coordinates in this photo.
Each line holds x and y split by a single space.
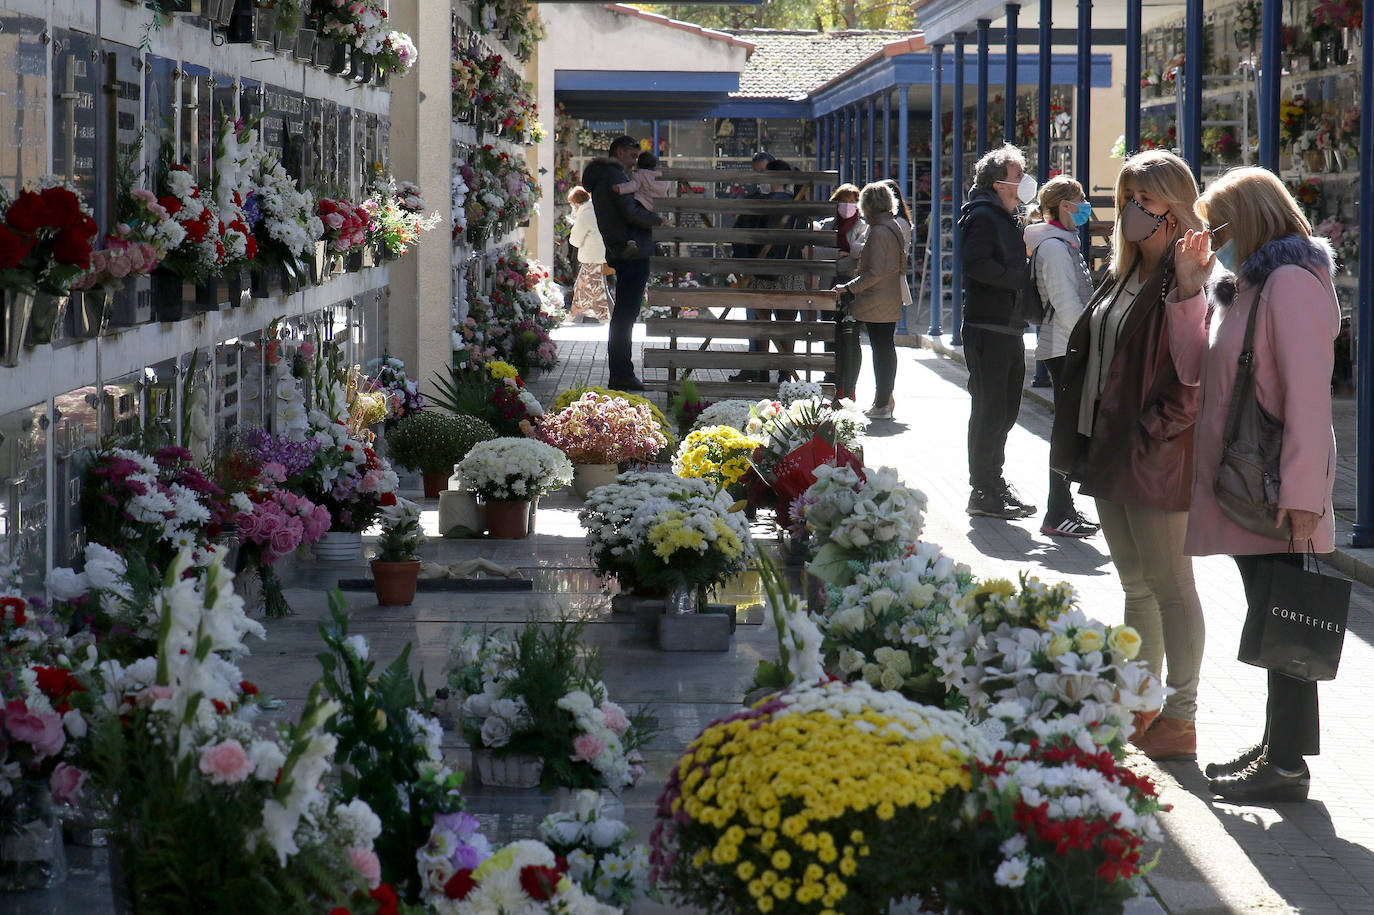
626 227
993 256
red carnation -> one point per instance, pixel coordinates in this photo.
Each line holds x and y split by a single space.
63 206
460 884
385 897
248 687
28 213
13 248
171 204
539 882
388 499
73 249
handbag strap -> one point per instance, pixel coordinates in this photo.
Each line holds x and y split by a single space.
1244 389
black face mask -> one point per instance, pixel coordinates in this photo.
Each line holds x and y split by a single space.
1138 223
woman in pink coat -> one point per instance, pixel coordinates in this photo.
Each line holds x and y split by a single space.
1259 228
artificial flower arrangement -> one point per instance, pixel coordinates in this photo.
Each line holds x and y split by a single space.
236 199
397 216
513 469
602 429
1054 824
396 53
290 225
389 756
1033 645
110 602
388 375
199 257
540 694
720 455
858 519
492 392
523 877
596 846
345 225
458 196
207 812
46 236
888 626
690 541
475 76
141 237
613 530
827 797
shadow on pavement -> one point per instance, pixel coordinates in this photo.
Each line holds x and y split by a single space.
1002 540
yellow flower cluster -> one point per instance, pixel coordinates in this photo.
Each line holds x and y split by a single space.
675 531
502 370
778 794
719 454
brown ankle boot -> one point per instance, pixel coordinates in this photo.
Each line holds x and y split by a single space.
1140 723
1169 738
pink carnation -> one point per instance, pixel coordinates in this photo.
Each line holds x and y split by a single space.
615 718
43 732
65 784
587 747
367 864
226 763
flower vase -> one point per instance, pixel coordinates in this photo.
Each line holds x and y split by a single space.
395 582
32 856
248 586
15 308
517 770
46 318
338 546
170 295
90 312
460 509
685 599
435 482
508 520
587 477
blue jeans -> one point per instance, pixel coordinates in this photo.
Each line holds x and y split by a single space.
631 277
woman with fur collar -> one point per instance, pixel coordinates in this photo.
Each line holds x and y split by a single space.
1256 224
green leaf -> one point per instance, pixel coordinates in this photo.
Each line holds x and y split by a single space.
831 565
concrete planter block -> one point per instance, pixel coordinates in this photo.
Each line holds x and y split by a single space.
694 632
648 613
629 603
727 610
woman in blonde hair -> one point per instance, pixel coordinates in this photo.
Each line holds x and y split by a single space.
1277 269
1123 428
590 300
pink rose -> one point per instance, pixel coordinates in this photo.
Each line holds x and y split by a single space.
65 784
143 194
367 864
42 732
284 540
274 472
226 763
145 697
614 716
587 748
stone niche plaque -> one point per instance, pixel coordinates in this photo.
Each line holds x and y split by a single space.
348 169
252 363
224 92
313 164
76 432
160 389
121 406
228 387
293 119
75 88
329 140
384 141
23 492
120 120
196 91
250 99
23 98
161 108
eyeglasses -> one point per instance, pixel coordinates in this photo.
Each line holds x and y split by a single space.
1213 230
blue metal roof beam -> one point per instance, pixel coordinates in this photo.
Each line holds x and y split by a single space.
916 70
665 81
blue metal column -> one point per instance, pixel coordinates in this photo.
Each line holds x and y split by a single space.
887 134
820 144
1271 34
872 140
1190 131
832 128
1363 535
655 137
1132 75
956 269
1082 128
937 144
982 126
845 173
903 166
1009 84
1042 135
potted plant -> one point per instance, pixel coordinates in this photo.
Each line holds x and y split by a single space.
597 432
508 474
396 567
433 442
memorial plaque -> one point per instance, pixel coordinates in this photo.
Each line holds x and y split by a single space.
195 150
76 432
228 387
224 92
120 120
293 119
330 177
75 86
371 150
313 153
23 98
250 99
121 407
384 141
161 112
23 492
348 158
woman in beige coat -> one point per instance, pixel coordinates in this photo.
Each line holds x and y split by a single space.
878 288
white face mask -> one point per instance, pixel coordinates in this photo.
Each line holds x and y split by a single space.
1025 188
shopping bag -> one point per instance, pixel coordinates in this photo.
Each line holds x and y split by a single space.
1296 621
847 355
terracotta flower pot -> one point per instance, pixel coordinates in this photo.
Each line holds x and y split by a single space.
508 520
395 581
435 483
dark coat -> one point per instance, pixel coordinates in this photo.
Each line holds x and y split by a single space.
619 217
1141 449
993 255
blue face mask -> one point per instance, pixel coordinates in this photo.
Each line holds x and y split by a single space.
1226 255
1083 211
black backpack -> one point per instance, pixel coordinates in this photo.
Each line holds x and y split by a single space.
1029 304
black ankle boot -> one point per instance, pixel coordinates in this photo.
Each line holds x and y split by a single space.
1237 765
1262 783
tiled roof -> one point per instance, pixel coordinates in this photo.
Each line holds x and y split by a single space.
714 34
790 64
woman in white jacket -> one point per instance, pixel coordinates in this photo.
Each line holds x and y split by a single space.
1061 275
590 298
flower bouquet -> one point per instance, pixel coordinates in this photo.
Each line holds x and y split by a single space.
395 226
784 427
345 225
857 520
609 518
688 542
514 469
290 226
567 396
136 244
1054 825
236 200
199 257
396 54
888 626
596 846
492 392
602 429
829 797
389 377
523 877
720 455
1035 647
45 238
